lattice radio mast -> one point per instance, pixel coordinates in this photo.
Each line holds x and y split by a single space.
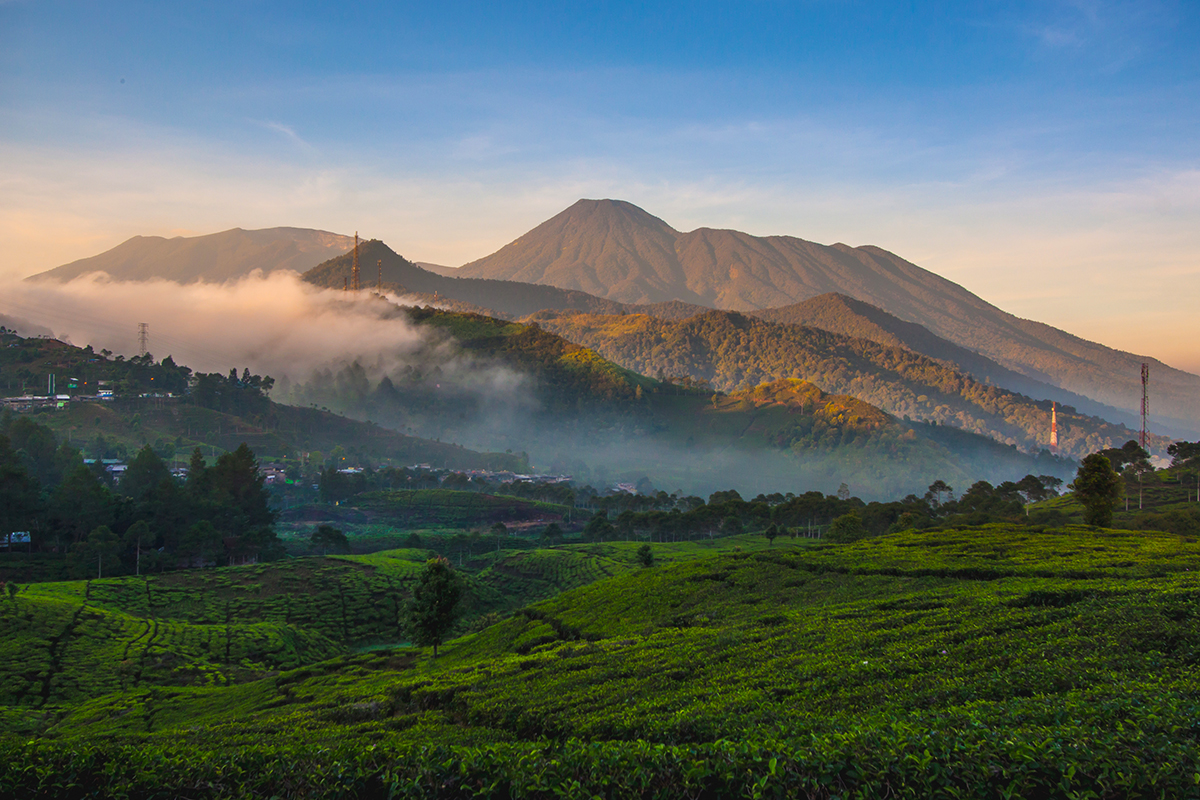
354 271
1053 427
143 338
1145 402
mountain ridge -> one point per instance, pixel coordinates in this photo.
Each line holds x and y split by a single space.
214 257
597 246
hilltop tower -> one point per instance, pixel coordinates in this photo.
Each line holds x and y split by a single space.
379 285
354 269
1145 402
1053 427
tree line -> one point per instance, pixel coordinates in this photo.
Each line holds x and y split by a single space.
149 519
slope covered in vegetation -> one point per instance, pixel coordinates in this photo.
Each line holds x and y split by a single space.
970 663
731 351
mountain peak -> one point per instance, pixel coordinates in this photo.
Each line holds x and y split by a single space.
215 257
586 210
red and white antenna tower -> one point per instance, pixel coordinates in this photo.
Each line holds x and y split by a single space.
1145 402
1053 427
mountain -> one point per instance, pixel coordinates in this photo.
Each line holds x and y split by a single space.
449 272
732 351
379 262
838 313
616 250
216 257
496 385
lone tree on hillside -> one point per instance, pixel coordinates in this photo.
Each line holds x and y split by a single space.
329 538
434 604
645 556
1098 487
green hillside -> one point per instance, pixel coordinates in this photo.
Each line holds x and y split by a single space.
732 351
584 415
216 420
838 313
987 662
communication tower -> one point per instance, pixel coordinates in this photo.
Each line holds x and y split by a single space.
354 271
1145 402
1053 427
379 286
143 338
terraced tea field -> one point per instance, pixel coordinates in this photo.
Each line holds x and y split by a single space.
987 662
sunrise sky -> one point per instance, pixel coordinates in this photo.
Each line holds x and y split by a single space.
1042 154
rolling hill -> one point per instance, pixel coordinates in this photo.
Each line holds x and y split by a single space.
998 661
839 313
616 250
573 411
214 258
140 413
731 351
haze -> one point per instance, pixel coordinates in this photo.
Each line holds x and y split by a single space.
1041 154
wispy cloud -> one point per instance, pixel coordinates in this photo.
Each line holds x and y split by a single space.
287 132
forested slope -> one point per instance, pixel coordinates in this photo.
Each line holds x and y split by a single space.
731 350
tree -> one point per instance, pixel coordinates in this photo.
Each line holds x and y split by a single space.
645 556
137 533
937 489
732 526
499 529
81 503
598 528
1098 488
847 528
197 474
771 532
200 541
146 471
19 492
328 537
553 533
100 543
1183 452
433 608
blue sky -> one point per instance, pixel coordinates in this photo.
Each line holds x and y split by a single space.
1042 154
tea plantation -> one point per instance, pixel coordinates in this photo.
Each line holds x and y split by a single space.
991 662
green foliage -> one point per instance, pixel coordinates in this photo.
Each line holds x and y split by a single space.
847 528
1098 487
989 662
433 609
242 396
645 556
730 351
327 537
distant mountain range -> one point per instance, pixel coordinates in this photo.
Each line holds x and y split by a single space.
217 257
611 257
615 250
